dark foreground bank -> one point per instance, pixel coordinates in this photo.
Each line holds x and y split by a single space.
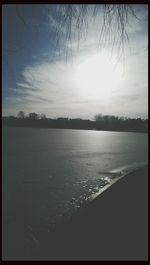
114 226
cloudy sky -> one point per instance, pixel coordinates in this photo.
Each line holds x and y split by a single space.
88 79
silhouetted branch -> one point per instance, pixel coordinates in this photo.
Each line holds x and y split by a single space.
74 22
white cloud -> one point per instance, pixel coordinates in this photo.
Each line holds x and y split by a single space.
50 87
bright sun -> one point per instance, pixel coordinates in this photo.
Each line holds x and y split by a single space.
98 76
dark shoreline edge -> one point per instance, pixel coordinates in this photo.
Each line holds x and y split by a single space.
113 226
76 124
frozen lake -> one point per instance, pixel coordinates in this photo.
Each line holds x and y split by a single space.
49 173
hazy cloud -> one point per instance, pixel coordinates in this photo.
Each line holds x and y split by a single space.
49 86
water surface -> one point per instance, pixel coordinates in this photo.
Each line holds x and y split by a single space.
49 173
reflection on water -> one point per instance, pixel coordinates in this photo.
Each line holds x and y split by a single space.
49 173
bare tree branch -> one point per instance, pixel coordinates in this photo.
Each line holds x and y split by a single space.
74 22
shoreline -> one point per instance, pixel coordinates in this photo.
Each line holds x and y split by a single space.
113 226
120 172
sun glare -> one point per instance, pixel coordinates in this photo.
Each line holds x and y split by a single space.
98 76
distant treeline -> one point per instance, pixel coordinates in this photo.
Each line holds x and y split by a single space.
101 122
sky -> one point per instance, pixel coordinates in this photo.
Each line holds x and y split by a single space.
73 79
